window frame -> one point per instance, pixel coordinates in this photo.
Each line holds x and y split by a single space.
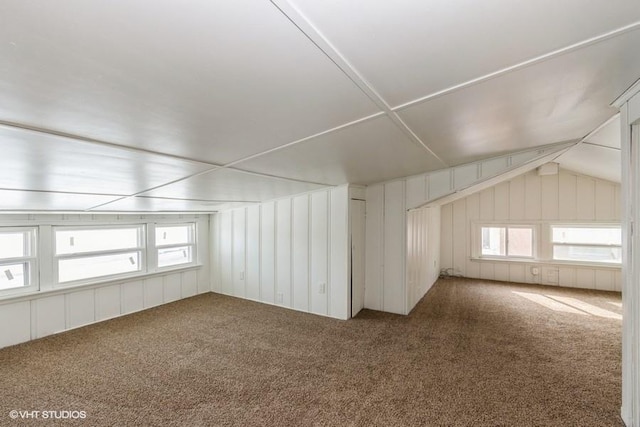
477 241
192 244
31 260
552 243
56 258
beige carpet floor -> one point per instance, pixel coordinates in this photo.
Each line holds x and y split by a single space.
472 353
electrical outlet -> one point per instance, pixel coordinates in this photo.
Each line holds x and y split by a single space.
279 297
322 288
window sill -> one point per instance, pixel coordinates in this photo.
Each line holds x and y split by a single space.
26 296
600 265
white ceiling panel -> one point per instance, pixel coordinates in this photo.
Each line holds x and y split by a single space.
409 48
150 204
229 185
608 135
593 160
34 161
212 81
557 100
11 200
369 152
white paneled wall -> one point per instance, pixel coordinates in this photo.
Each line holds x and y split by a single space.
563 198
292 252
38 315
423 228
386 265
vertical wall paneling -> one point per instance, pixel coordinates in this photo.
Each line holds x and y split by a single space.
501 201
80 308
283 252
189 284
226 249
549 192
567 191
394 247
107 302
300 252
486 204
153 292
446 245
132 297
339 286
267 252
203 278
214 263
605 201
252 275
18 315
532 204
416 191
585 198
239 255
459 222
374 242
319 252
49 315
516 198
172 287
464 176
539 200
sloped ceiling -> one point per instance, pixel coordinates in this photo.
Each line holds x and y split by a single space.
146 105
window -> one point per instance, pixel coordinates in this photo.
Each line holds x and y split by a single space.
17 258
503 241
587 243
92 252
175 244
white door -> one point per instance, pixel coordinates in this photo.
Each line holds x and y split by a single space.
357 255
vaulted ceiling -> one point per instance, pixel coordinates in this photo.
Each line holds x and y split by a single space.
147 105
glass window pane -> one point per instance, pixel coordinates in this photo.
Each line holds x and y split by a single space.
97 266
587 253
174 256
174 235
14 275
520 242
586 235
494 241
105 239
12 244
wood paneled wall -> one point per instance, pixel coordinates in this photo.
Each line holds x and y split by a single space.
563 198
292 252
38 315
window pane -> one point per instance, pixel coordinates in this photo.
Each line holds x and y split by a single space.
587 253
174 256
493 241
520 242
174 235
105 239
97 266
12 244
14 276
586 235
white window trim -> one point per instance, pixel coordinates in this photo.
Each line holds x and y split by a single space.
193 244
476 241
141 248
582 225
31 260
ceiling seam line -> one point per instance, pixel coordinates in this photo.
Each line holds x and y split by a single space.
75 193
306 138
350 71
88 140
532 61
